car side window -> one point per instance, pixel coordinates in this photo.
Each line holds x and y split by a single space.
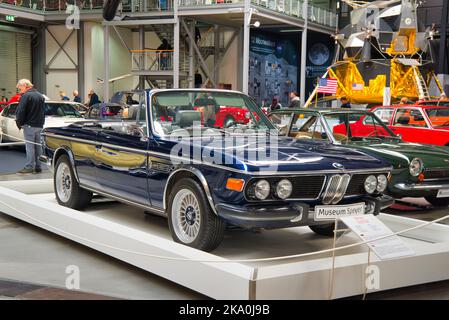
281 121
5 111
12 111
384 114
409 118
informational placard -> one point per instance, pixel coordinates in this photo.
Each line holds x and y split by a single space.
369 227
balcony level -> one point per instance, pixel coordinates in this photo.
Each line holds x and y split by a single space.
226 11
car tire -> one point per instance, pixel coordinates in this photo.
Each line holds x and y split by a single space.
437 202
191 219
228 122
324 229
67 190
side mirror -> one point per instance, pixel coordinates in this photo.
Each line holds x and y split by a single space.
110 9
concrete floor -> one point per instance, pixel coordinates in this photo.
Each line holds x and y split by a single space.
34 256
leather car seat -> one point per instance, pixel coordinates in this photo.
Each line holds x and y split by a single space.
403 120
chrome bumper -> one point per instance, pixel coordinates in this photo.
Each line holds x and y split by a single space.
45 160
421 186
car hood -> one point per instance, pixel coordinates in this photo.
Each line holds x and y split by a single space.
282 154
399 154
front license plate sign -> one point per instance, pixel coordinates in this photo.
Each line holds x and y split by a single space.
443 193
334 212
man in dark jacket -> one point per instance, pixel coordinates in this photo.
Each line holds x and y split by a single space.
345 103
93 98
30 116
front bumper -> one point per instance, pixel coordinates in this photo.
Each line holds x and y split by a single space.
45 160
291 214
424 186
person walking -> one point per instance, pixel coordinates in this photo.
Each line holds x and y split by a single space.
294 100
93 98
198 79
164 55
30 116
345 103
275 105
63 96
76 97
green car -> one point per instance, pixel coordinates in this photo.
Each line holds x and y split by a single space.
418 170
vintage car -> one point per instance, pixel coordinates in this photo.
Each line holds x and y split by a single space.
418 170
202 178
416 123
57 114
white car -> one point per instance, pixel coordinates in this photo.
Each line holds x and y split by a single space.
57 114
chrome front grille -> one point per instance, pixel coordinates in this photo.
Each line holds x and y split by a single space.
336 188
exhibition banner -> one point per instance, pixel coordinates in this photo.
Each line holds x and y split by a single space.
273 68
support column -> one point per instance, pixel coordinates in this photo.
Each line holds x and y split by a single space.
192 57
442 65
142 56
246 35
240 60
176 37
39 57
302 85
216 53
80 48
106 63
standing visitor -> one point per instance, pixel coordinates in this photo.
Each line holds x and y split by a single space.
30 116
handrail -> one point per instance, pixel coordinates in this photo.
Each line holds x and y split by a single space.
149 50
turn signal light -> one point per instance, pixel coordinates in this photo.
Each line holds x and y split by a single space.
235 184
421 177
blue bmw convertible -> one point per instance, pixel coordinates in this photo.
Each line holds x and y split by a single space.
169 157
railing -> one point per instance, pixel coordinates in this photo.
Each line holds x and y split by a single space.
146 5
54 5
188 3
152 60
61 5
294 8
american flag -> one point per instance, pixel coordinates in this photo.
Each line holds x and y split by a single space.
327 85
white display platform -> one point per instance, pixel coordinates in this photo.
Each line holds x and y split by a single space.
128 234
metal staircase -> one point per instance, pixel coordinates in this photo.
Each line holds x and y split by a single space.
206 47
423 89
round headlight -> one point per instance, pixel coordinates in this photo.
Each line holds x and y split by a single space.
370 184
382 182
284 189
262 189
416 167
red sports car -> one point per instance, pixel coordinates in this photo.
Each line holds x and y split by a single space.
226 114
419 123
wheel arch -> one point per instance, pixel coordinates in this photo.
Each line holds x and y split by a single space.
65 150
192 173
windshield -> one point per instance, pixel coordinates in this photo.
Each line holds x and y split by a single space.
210 111
304 125
444 103
61 110
354 126
439 117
